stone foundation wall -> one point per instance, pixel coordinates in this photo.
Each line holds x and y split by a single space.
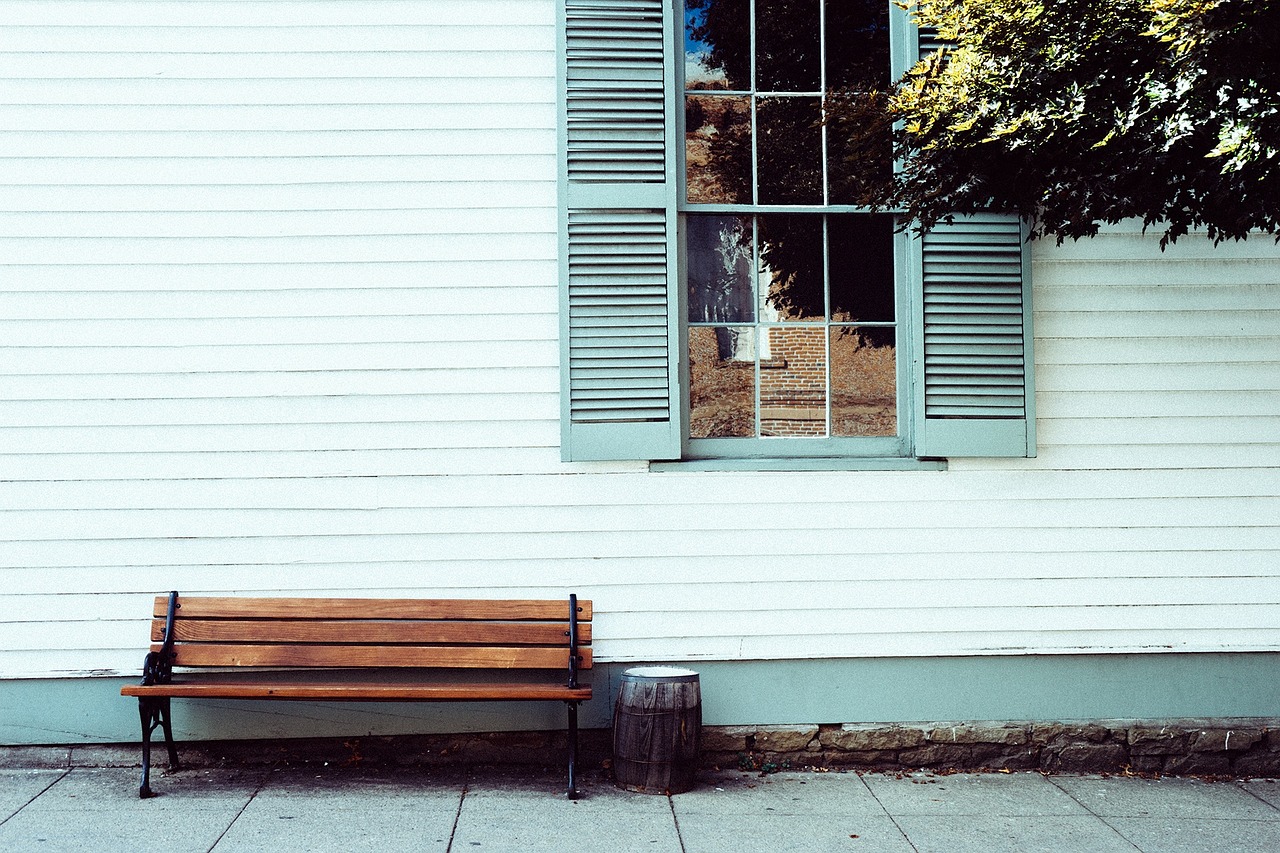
1188 747
1239 748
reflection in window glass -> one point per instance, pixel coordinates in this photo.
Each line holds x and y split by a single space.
791 275
719 269
717 44
860 250
864 400
722 382
793 382
857 44
789 150
788 49
717 141
859 147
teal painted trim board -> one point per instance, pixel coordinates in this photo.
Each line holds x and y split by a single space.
871 690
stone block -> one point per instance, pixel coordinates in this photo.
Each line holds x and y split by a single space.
1063 733
974 733
1197 763
948 755
1084 758
785 738
856 738
1165 740
1224 740
726 738
867 758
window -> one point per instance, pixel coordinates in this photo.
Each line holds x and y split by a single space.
722 292
790 288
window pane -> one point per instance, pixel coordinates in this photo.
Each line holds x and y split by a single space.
791 267
722 382
717 44
789 147
857 44
859 147
788 50
717 144
862 280
863 381
719 261
793 382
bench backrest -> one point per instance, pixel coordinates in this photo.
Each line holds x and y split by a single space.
372 632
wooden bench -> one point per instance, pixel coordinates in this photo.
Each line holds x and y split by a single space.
358 649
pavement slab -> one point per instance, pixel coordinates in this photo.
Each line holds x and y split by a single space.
791 833
520 812
1114 796
1011 834
984 794
1197 835
728 792
327 809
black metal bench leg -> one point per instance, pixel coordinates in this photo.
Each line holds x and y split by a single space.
167 727
573 750
149 713
154 713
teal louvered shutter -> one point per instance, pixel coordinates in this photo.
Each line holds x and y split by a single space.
972 304
974 396
619 392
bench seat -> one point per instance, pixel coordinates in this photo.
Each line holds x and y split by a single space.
212 687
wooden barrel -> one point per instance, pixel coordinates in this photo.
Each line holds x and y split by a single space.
657 726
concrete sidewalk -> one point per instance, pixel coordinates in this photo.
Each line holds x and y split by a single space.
341 809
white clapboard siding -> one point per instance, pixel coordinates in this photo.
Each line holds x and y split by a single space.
278 316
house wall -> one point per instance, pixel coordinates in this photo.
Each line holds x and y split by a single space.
278 315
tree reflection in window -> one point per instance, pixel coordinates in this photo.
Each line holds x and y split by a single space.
792 318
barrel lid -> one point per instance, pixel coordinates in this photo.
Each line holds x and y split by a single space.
661 673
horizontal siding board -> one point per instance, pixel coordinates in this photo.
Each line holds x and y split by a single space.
493 221
421 142
134 14
299 38
268 171
251 91
276 331
470 62
492 115
515 546
407 435
799 495
349 383
512 352
344 195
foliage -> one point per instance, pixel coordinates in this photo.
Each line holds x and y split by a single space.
1078 112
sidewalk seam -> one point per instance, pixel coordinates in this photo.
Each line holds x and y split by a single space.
457 815
675 819
221 835
888 814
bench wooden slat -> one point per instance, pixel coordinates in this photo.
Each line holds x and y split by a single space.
347 692
371 608
373 632
491 657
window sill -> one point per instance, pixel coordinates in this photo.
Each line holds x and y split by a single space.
824 463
